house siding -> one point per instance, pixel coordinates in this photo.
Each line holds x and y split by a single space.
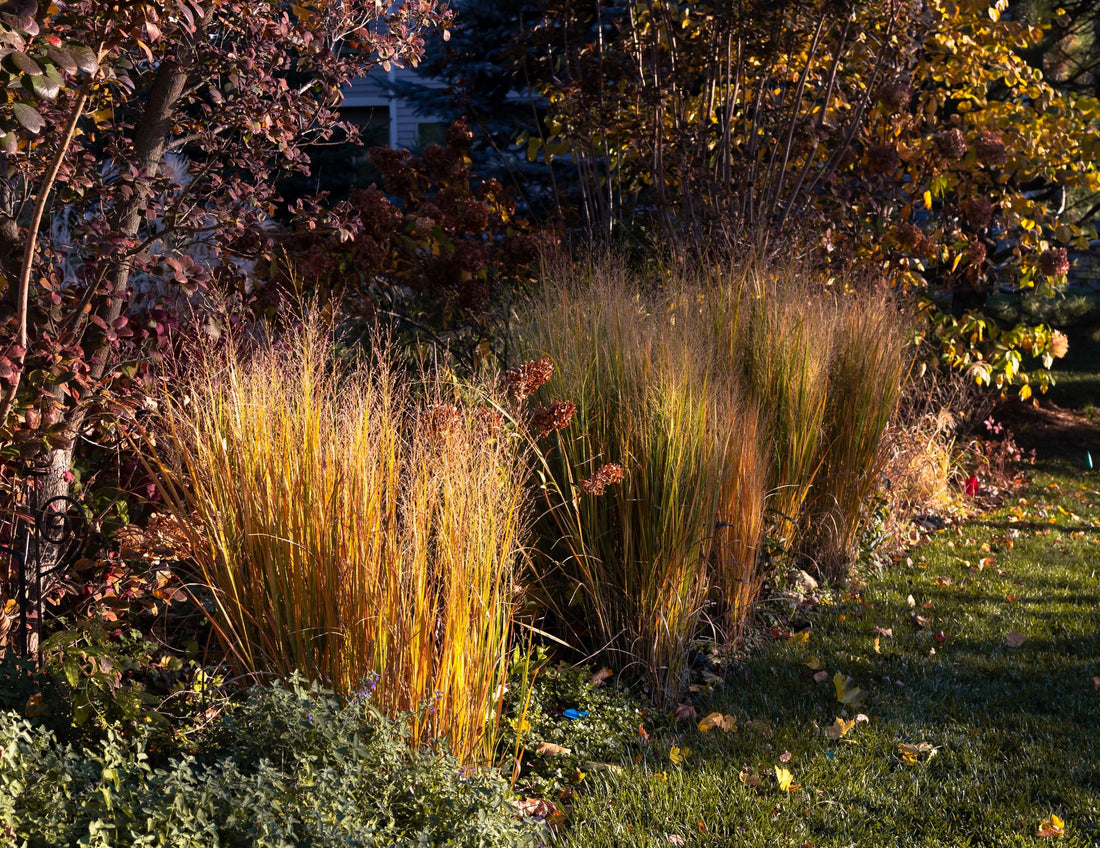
372 92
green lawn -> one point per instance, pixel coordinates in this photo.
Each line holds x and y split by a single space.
1015 730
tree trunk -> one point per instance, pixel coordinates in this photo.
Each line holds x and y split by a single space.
150 139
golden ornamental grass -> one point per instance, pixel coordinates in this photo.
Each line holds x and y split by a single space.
636 565
349 531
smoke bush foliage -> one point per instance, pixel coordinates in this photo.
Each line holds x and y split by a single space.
292 766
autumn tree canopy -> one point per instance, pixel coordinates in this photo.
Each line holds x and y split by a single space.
142 145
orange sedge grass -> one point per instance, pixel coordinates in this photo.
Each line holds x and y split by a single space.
349 531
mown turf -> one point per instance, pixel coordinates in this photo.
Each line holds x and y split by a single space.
1016 730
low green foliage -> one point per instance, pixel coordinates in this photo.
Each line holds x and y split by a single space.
596 723
982 644
291 766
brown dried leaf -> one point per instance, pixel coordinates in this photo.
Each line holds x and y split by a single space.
550 749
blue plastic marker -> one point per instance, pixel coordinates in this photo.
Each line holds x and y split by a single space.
574 714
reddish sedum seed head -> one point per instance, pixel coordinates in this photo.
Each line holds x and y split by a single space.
1055 262
951 144
883 158
546 419
895 97
607 475
442 420
991 148
979 212
910 237
459 135
976 253
489 421
522 382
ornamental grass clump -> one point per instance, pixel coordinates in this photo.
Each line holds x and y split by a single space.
776 332
634 554
866 372
350 531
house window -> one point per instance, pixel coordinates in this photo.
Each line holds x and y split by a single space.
430 132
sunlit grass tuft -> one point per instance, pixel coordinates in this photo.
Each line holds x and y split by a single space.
866 373
349 531
635 566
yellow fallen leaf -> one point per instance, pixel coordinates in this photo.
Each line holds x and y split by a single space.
813 663
910 754
722 722
846 690
839 727
801 638
552 750
785 777
1053 826
678 755
878 650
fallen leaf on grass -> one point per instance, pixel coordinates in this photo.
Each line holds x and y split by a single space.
684 712
821 677
1096 683
839 728
1011 598
678 755
1014 639
784 777
846 690
675 838
785 757
911 601
722 722
888 632
921 621
1053 826
910 754
749 778
552 750
538 807
944 581
813 663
